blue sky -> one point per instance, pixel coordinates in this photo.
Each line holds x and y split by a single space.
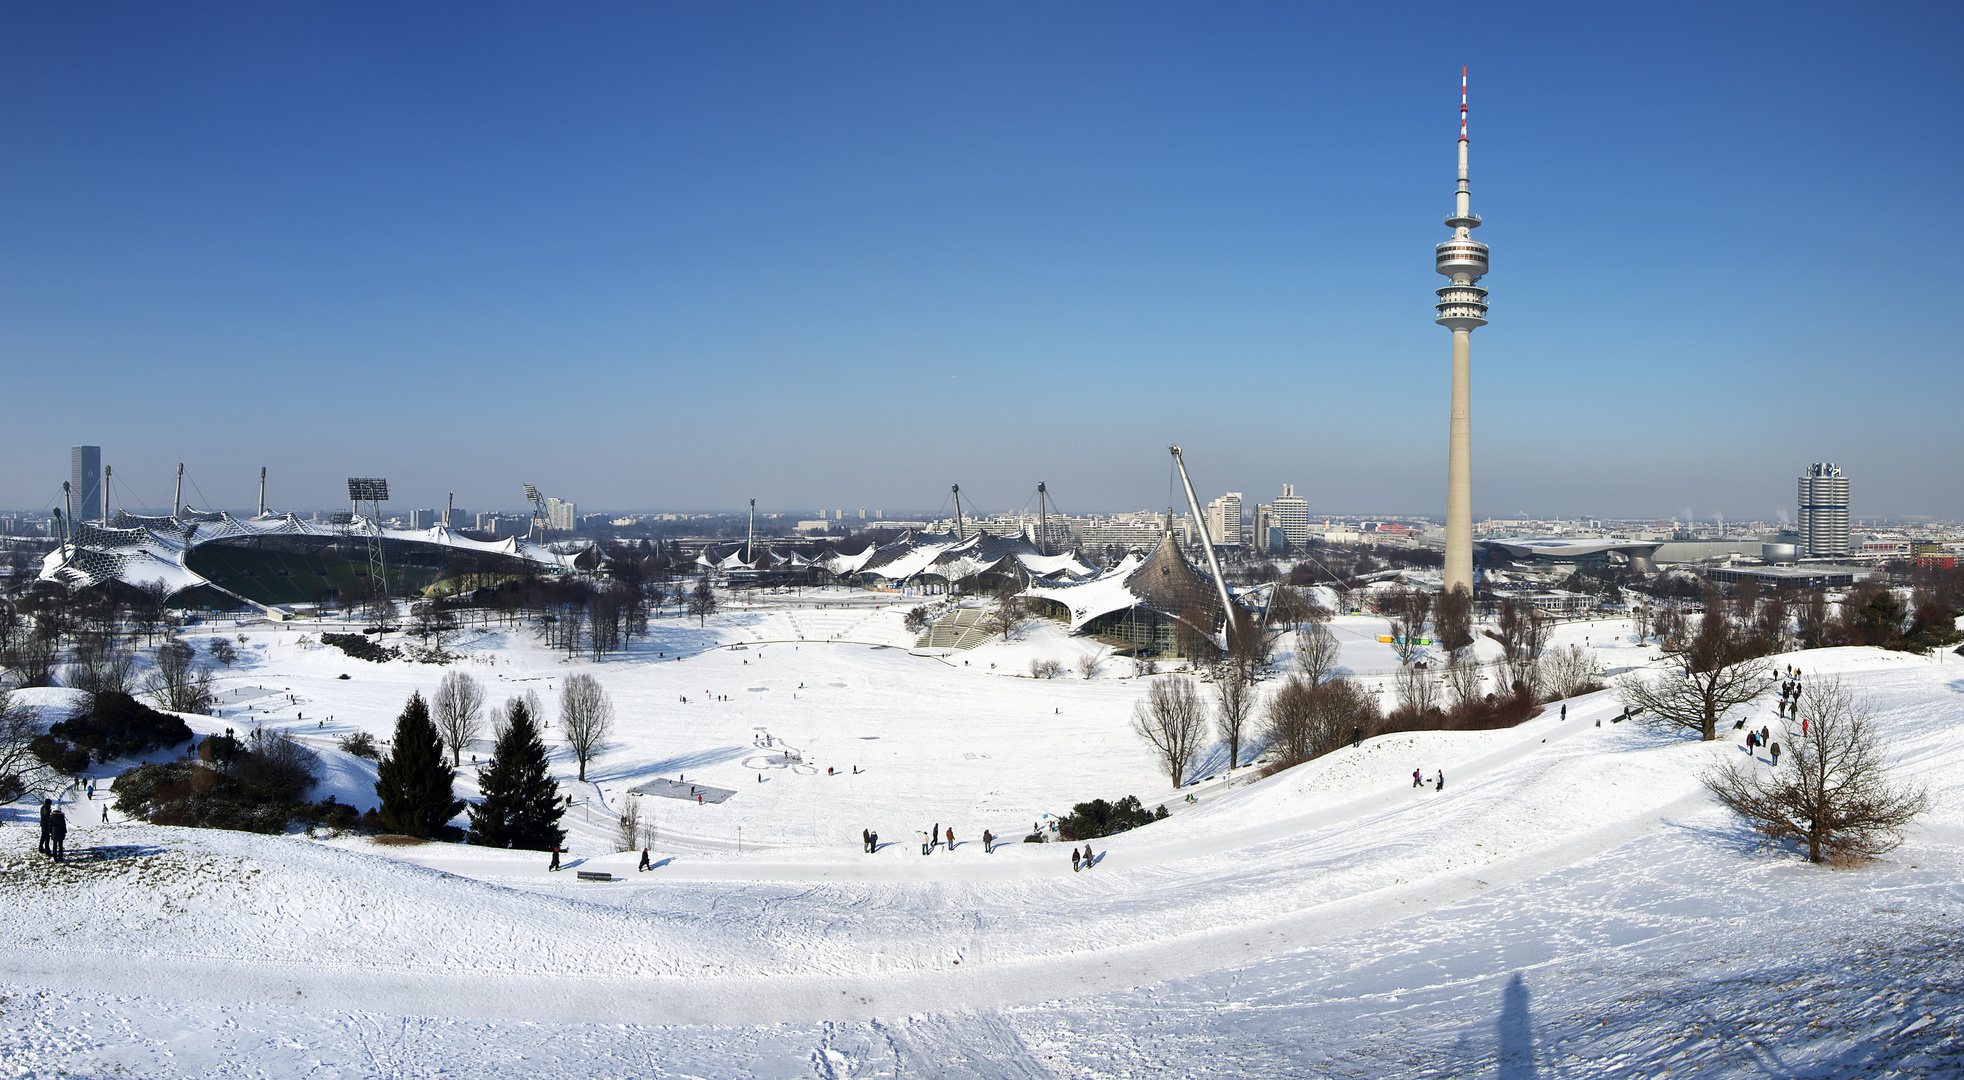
676 256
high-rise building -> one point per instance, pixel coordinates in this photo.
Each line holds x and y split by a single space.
1292 516
1268 535
1824 511
85 482
1462 309
562 516
422 519
1224 519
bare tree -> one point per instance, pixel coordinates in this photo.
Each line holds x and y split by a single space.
1316 651
1832 792
1814 620
1418 691
1452 620
1304 720
1046 668
1173 720
1571 671
1698 685
1408 610
586 717
178 682
1234 701
1247 647
19 726
1007 612
1292 608
1087 663
456 706
1463 679
702 600
1193 636
101 670
629 836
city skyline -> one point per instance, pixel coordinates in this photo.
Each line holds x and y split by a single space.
679 259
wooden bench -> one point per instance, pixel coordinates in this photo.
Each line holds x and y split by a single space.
595 875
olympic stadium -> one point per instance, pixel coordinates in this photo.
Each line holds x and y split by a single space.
216 560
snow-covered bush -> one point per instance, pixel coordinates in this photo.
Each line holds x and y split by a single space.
1045 669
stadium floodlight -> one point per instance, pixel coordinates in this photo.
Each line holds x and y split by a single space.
531 493
367 489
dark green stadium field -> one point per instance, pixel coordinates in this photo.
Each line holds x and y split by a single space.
278 577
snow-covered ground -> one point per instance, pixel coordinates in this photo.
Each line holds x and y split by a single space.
1570 904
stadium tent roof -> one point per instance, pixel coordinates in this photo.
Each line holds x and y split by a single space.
1163 581
949 559
134 549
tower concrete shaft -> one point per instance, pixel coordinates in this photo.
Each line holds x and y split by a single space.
1462 309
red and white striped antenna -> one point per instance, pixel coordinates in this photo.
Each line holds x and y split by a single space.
1462 104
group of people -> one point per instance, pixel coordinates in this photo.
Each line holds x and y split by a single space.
1790 697
1418 779
931 839
54 830
1082 862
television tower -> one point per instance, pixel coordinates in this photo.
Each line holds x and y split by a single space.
1462 309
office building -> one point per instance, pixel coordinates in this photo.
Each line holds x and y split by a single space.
1824 511
85 482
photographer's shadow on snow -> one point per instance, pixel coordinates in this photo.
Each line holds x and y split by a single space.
1515 1027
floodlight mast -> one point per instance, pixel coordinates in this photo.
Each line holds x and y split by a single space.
106 474
177 494
374 491
960 533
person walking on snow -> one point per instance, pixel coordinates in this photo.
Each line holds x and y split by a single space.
951 838
555 858
1442 780
924 843
1565 712
644 860
873 845
57 833
1418 777
988 842
1088 858
934 835
1074 860
47 810
866 840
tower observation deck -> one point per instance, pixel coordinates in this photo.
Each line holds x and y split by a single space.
1462 309
1463 260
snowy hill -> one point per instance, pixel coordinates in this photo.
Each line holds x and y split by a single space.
1571 903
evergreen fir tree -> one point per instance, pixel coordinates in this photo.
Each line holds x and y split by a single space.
521 804
414 780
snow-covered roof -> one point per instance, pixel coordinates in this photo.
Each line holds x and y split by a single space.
136 549
1163 581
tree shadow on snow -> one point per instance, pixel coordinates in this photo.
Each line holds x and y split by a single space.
700 759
